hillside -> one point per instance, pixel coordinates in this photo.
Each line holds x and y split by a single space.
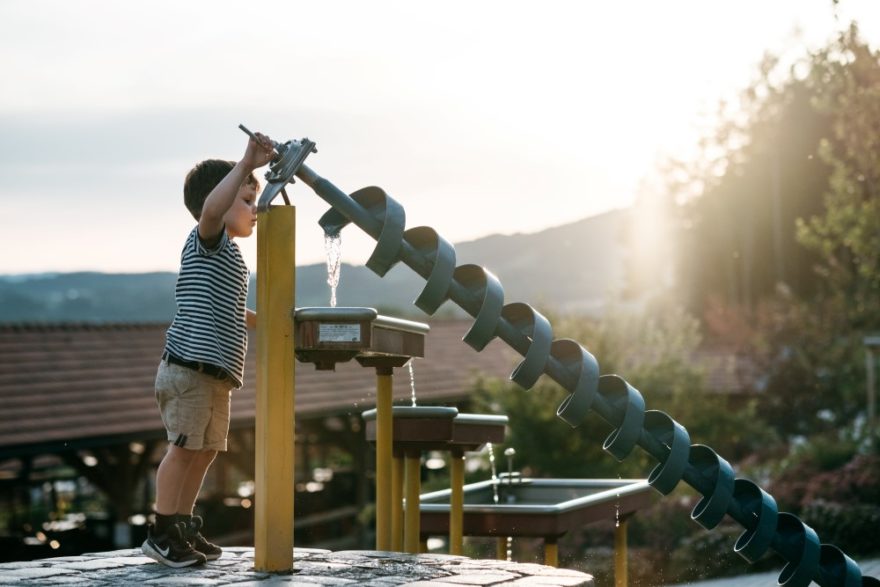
573 267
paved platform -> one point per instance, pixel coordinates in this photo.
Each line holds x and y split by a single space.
311 567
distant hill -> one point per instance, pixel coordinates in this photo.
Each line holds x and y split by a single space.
574 267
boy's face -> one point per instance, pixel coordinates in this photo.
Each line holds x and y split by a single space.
241 217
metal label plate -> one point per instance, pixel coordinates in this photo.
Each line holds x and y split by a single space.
339 332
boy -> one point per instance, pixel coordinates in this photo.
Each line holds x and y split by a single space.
205 349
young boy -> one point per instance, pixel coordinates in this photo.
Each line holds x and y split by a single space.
205 348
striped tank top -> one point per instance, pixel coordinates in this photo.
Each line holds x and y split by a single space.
210 324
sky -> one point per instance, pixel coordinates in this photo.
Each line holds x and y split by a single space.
478 117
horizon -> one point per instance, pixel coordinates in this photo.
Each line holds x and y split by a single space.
509 121
51 273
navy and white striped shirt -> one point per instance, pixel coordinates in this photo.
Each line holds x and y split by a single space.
210 324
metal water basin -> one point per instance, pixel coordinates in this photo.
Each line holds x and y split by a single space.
545 508
326 336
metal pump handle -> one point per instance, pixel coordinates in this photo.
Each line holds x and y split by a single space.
289 159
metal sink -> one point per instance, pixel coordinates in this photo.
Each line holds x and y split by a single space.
545 508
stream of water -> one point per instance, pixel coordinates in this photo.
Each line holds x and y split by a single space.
333 248
412 380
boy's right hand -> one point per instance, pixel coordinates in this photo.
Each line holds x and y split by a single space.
258 152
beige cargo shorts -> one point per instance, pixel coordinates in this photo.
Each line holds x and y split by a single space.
194 407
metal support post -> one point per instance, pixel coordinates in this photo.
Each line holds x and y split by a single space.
384 443
620 555
274 459
456 504
397 503
551 552
501 548
413 487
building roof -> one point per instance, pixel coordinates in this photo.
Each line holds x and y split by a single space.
78 385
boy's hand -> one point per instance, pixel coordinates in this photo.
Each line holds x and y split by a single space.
259 152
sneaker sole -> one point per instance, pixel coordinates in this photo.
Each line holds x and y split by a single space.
154 554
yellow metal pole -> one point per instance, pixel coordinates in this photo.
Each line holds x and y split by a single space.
384 443
501 548
456 504
274 459
411 518
397 503
551 552
620 555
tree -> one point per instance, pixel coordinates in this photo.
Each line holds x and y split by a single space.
785 229
846 235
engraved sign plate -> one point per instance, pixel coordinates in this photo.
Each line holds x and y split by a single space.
339 332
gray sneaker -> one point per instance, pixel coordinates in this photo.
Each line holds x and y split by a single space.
170 548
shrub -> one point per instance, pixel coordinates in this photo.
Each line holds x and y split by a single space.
852 528
858 481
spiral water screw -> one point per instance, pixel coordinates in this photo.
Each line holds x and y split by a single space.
568 363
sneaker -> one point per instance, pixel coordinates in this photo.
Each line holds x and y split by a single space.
170 548
192 534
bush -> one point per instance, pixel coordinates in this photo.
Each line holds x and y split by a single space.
812 470
856 482
852 528
842 504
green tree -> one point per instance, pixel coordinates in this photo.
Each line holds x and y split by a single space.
756 175
781 229
846 234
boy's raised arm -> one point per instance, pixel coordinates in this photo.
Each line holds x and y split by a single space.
221 198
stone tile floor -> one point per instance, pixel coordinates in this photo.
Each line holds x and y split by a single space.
311 567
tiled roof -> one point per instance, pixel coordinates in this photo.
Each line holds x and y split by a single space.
75 385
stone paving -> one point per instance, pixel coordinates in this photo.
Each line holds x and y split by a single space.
311 567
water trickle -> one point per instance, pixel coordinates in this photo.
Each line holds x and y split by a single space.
494 472
333 248
509 548
412 380
617 509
